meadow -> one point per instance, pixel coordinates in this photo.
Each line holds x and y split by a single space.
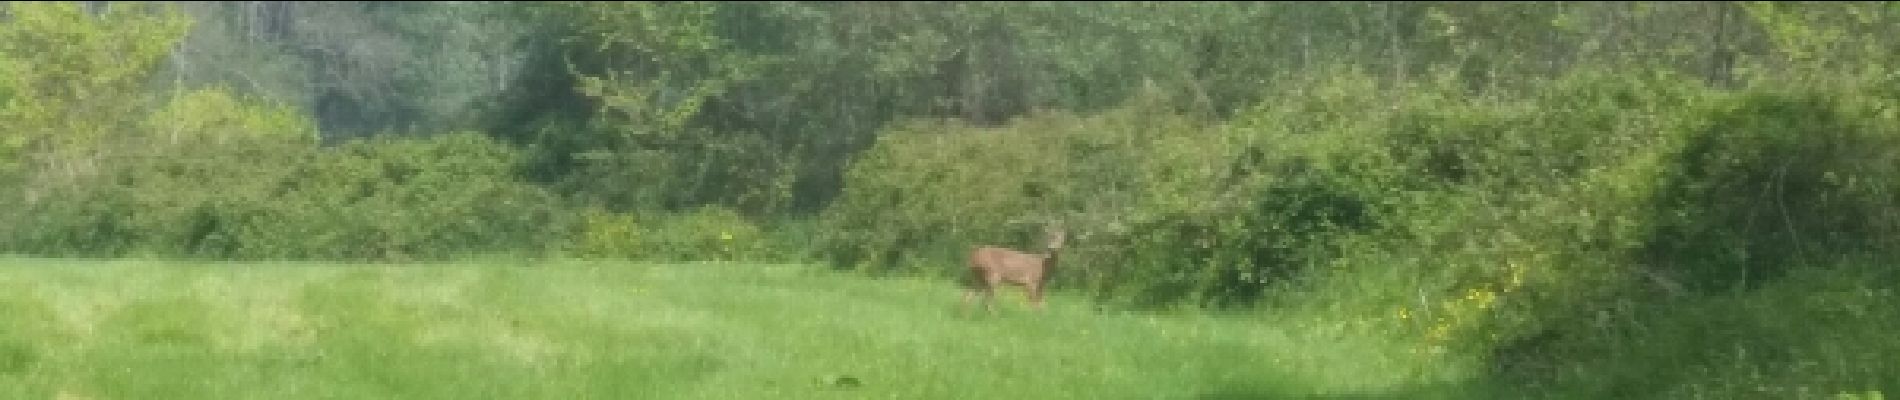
602 330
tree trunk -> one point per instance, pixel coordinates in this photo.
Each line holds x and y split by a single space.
1555 53
1306 40
1393 44
1721 60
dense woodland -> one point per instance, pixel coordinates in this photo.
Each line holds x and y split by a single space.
1572 189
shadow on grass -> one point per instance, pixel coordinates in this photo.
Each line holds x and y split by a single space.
1450 390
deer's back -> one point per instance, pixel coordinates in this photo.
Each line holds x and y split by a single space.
1010 264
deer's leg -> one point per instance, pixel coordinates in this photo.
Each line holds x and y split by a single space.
973 283
976 289
969 294
989 291
1035 295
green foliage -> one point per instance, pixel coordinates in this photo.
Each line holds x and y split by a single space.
1524 217
640 73
1840 40
407 198
768 99
1535 221
707 234
899 195
215 114
606 234
931 190
1486 178
1773 180
1817 333
635 59
1165 210
357 68
1500 226
70 81
271 198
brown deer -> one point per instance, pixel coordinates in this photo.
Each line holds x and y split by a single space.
992 266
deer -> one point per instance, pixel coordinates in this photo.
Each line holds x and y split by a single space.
993 266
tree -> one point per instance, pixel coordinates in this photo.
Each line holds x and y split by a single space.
70 81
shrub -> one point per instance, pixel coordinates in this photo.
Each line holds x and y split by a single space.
1771 180
1164 209
273 198
705 234
928 191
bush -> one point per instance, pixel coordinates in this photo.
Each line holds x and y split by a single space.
706 234
153 204
1164 209
1772 180
388 199
929 191
1545 225
272 198
1816 332
1489 220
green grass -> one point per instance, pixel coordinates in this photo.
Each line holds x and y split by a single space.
574 330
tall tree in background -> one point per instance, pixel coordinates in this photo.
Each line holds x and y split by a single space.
70 82
361 68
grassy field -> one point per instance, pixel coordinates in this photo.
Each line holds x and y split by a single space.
573 330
